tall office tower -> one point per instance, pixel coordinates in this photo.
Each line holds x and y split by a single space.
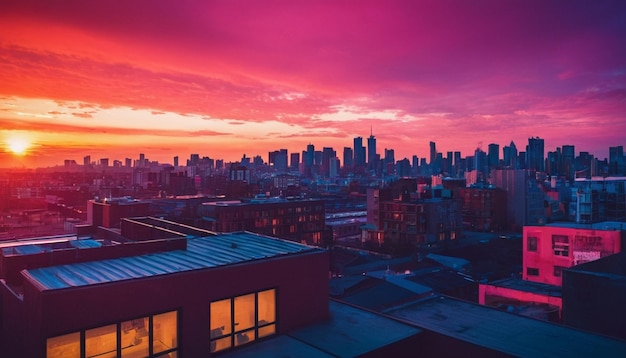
129 162
278 158
447 164
87 160
510 156
359 152
104 162
403 168
493 155
433 153
534 154
458 168
372 164
553 162
617 162
317 157
309 156
175 161
481 164
389 161
327 154
415 165
333 167
348 157
193 160
568 156
294 162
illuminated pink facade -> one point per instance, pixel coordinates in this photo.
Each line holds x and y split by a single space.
550 249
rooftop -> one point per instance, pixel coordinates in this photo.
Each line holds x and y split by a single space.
349 332
505 332
604 225
528 286
201 253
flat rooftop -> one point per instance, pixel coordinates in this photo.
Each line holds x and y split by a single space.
202 253
528 286
505 332
349 332
603 225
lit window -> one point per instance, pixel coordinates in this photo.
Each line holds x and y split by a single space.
101 342
66 346
242 319
134 339
165 335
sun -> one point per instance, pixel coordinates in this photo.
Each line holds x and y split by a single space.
18 146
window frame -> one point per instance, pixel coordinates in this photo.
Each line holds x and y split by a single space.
118 332
234 332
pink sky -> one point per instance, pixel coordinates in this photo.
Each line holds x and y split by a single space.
227 78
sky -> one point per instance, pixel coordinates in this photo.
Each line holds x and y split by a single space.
113 79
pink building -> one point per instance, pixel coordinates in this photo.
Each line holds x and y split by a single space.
551 248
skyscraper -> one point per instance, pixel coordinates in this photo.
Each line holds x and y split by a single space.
493 155
535 155
371 152
359 152
348 157
433 153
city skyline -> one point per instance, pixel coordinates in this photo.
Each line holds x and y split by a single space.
224 79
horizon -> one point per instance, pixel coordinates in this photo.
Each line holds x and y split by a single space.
224 79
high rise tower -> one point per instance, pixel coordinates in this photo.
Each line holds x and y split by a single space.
371 152
535 154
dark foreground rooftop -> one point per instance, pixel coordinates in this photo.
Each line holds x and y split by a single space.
349 332
505 332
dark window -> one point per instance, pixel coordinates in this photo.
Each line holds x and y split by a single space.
558 271
531 271
531 243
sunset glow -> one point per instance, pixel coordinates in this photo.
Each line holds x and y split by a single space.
221 78
18 145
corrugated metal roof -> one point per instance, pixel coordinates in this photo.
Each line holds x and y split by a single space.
201 253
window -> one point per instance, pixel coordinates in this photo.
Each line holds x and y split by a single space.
558 271
560 245
150 336
531 243
242 319
530 271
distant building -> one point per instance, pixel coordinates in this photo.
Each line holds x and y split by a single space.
295 220
524 200
598 199
483 208
108 212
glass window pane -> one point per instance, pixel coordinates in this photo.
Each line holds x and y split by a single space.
244 337
267 307
244 312
101 342
220 318
165 331
135 338
267 330
66 346
220 344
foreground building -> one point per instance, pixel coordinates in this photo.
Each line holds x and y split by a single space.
183 297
